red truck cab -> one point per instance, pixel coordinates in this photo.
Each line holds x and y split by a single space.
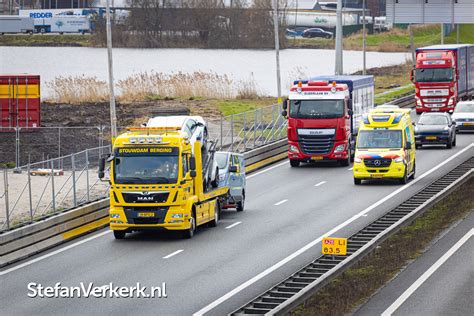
323 114
443 75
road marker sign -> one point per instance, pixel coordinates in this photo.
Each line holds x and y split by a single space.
334 246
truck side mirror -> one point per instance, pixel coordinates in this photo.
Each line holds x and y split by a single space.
285 104
408 145
412 75
350 112
192 173
233 169
284 113
349 106
192 164
102 167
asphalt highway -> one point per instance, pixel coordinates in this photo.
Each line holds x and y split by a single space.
441 282
288 210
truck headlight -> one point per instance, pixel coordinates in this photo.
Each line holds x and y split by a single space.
114 215
451 101
418 101
173 221
294 149
177 215
339 148
357 160
399 159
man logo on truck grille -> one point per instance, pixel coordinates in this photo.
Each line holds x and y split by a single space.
377 162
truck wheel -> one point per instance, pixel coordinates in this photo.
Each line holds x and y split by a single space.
119 234
42 30
294 163
217 215
189 233
413 171
357 181
418 112
346 162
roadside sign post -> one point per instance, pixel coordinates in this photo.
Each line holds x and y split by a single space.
334 246
113 117
339 63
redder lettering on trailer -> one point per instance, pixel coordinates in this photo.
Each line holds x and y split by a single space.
41 15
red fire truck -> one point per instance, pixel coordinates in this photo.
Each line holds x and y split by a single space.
323 116
443 75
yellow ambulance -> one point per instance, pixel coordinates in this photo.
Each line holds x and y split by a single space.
385 147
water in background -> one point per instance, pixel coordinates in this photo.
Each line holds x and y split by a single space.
239 64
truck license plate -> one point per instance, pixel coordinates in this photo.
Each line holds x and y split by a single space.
431 137
317 158
146 214
376 176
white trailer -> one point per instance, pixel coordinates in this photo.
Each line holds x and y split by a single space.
63 24
16 24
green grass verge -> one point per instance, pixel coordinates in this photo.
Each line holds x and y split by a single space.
397 40
45 40
355 286
236 106
390 96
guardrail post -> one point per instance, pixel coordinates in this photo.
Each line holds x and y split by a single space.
52 186
7 206
222 132
73 165
232 132
87 174
29 191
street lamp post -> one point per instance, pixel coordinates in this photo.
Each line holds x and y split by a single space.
277 47
364 71
113 117
338 67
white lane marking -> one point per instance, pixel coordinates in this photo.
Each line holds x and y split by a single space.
54 252
233 225
268 169
389 311
295 254
320 183
350 168
173 254
99 235
281 202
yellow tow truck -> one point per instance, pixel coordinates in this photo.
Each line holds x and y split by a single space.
159 180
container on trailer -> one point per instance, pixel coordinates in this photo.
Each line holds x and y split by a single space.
19 102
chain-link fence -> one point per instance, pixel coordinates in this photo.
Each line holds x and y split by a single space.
20 146
248 130
51 186
66 174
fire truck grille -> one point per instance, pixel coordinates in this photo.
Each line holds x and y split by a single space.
316 145
377 163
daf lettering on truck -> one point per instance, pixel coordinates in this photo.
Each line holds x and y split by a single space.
323 116
443 76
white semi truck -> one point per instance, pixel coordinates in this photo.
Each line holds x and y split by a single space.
16 24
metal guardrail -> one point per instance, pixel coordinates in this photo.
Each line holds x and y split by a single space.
54 229
295 290
32 191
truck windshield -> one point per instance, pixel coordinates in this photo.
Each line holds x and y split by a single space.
379 139
316 108
434 74
146 167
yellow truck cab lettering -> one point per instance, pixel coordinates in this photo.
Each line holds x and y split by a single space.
157 183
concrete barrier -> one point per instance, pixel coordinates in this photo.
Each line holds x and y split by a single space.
23 242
